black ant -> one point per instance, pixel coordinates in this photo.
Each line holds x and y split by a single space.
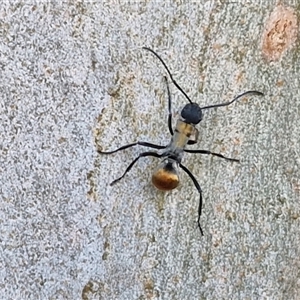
165 177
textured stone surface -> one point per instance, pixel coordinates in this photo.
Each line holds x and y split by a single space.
74 77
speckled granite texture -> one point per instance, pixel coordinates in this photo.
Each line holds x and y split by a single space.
74 77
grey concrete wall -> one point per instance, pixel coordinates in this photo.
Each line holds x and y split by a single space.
74 77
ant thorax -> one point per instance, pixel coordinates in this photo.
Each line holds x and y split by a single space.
194 137
183 133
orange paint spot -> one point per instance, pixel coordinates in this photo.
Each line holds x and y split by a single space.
217 47
237 141
239 77
280 83
296 185
280 32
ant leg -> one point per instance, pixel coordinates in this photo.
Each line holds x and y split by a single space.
186 170
144 154
169 107
212 153
236 98
145 144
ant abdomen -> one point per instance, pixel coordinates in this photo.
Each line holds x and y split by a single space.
165 176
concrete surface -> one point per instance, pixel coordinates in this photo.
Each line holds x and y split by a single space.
74 77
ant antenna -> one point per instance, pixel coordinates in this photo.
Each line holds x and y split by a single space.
236 98
173 80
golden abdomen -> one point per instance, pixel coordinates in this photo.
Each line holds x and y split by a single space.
165 177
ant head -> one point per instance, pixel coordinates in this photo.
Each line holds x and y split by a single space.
192 113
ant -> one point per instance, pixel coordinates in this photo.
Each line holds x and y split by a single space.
165 177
